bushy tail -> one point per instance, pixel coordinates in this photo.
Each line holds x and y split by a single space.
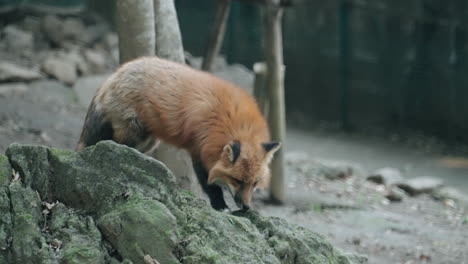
96 128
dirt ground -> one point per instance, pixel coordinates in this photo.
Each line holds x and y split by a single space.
346 208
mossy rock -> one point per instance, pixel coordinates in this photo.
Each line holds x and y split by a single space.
116 205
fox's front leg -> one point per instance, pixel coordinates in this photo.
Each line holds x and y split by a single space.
214 192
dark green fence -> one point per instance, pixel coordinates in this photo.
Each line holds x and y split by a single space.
387 64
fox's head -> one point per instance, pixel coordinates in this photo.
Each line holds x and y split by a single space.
242 168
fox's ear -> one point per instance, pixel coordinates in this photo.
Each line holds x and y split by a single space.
270 149
232 150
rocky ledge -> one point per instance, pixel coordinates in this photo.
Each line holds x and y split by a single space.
111 204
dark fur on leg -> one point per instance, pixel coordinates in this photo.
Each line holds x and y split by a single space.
95 128
214 192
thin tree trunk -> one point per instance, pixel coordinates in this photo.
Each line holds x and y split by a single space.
217 34
135 27
169 46
168 37
275 84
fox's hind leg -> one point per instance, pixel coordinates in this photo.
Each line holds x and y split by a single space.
127 131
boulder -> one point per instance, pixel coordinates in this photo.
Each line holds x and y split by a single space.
111 204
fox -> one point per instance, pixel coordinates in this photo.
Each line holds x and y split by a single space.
150 100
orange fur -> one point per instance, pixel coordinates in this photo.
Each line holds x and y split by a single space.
189 109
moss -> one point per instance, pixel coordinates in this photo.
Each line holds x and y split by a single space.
31 162
28 244
139 227
5 170
78 253
294 244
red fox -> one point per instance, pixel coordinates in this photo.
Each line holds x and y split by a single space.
218 123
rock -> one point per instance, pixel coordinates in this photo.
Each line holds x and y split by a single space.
94 33
394 194
386 176
85 87
31 24
450 193
52 27
140 212
75 57
63 70
97 62
73 29
111 41
10 89
18 40
12 72
63 32
420 185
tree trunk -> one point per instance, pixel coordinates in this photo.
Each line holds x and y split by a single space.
217 34
169 46
275 84
135 27
168 37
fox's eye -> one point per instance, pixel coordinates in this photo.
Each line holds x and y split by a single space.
255 184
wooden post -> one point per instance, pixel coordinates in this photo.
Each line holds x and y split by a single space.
275 82
260 94
169 46
135 28
217 34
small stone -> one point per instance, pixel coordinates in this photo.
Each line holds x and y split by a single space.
73 29
62 70
31 24
111 40
12 89
450 193
420 185
386 176
52 28
13 72
75 57
394 194
96 61
94 33
18 39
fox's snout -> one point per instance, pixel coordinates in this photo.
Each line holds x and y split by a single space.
240 203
